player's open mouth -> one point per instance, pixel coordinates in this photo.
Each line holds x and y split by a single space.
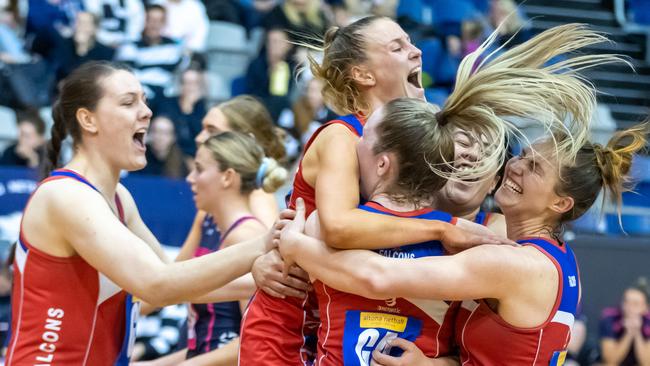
514 187
138 139
415 78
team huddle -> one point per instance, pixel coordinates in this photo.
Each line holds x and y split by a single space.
383 256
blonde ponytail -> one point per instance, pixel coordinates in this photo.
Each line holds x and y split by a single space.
516 84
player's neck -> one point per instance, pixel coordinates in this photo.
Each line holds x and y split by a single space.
518 227
386 201
467 213
228 210
98 172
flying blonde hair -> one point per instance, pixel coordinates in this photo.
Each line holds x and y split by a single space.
520 83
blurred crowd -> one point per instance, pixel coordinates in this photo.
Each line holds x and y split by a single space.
192 54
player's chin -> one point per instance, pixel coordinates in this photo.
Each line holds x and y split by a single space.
137 164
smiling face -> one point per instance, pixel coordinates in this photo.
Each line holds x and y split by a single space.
120 121
465 196
393 62
528 188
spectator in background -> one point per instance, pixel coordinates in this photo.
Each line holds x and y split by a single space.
164 157
303 20
255 11
29 150
307 113
81 47
269 76
48 21
625 330
186 110
153 58
120 21
187 22
12 47
225 10
506 12
471 37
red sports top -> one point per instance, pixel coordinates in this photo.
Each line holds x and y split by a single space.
352 326
486 339
64 311
275 331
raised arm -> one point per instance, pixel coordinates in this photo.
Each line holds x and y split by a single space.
193 238
345 226
95 233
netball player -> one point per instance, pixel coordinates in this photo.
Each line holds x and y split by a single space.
365 65
83 245
531 292
228 168
247 115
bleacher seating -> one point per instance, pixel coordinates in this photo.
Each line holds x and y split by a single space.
228 55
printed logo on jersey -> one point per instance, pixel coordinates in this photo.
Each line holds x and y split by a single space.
50 335
572 281
558 358
366 331
429 249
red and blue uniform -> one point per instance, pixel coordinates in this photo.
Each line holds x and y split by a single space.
277 331
212 326
354 326
481 333
64 311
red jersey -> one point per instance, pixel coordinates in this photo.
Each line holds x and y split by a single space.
354 326
481 333
64 311
276 331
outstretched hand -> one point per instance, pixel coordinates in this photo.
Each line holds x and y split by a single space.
466 234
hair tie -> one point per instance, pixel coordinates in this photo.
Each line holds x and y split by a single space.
261 172
441 121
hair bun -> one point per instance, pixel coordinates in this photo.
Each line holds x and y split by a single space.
330 36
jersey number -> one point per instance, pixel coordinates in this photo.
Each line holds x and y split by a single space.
369 341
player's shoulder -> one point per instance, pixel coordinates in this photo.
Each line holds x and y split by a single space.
336 129
65 191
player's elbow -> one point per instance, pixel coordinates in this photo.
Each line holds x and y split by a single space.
374 281
335 232
158 291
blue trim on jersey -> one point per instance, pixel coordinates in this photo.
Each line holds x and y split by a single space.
132 310
431 215
353 122
23 246
73 175
569 267
481 217
418 250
